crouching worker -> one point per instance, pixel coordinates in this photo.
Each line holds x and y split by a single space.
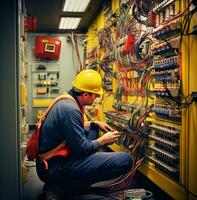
85 164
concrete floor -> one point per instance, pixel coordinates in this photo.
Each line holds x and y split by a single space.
33 187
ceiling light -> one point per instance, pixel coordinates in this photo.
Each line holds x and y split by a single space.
75 5
69 22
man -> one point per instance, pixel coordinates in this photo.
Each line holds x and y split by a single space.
86 164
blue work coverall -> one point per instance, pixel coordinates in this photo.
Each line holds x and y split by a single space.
86 165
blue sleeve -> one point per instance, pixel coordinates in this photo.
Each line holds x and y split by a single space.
74 133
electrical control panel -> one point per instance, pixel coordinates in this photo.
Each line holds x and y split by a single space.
140 54
45 86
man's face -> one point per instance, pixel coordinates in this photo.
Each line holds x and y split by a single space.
90 98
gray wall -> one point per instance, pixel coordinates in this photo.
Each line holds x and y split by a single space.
67 64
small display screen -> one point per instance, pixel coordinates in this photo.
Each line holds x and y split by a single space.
49 47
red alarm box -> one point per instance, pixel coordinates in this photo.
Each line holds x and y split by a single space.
47 48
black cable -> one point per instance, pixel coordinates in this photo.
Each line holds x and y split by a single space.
136 14
186 24
189 20
141 8
134 115
181 104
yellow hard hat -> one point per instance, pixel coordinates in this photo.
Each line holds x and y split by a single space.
88 80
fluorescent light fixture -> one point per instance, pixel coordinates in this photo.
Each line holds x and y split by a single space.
69 22
75 5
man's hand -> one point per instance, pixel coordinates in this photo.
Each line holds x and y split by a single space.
109 138
103 126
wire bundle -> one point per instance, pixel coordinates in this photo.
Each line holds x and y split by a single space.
121 183
76 48
105 40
